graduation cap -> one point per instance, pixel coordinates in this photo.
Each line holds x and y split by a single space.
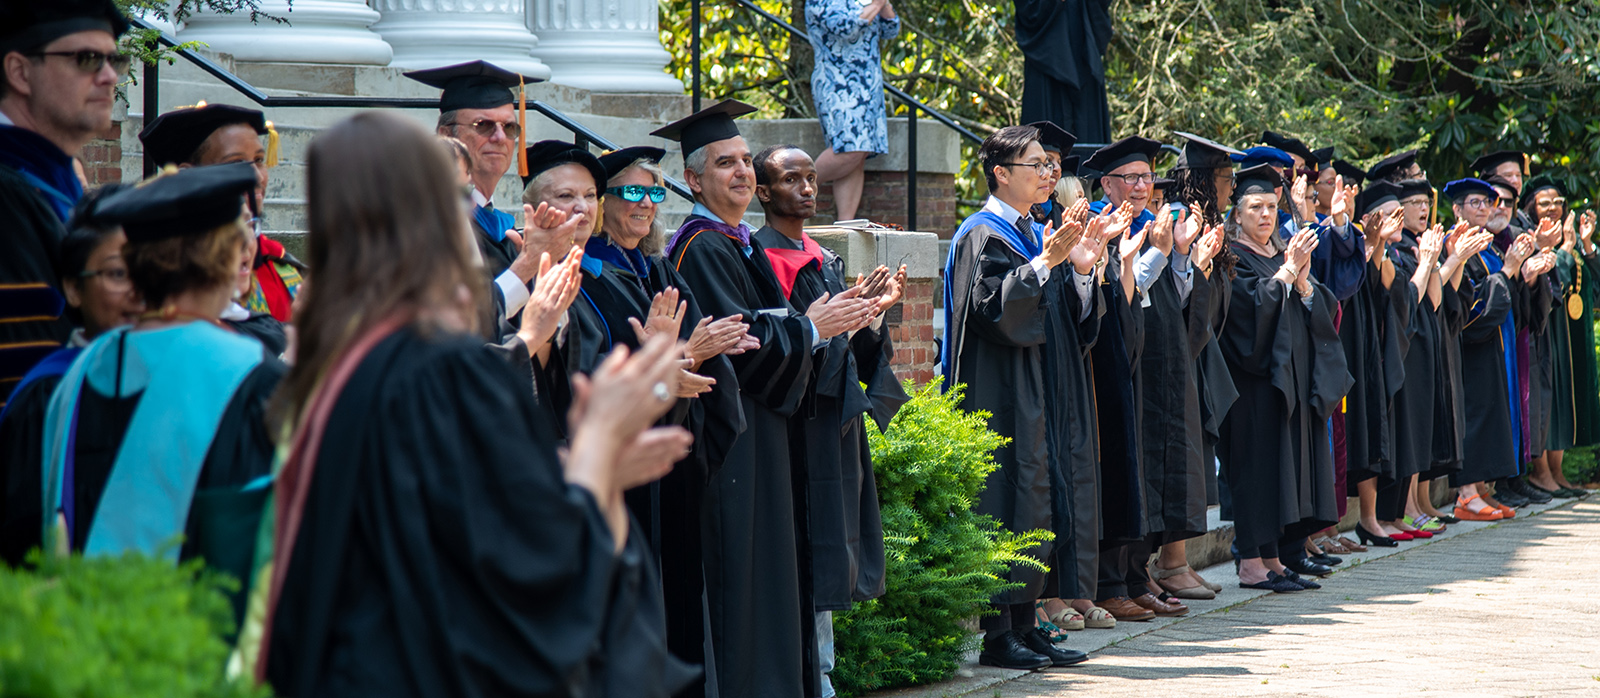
1263 154
1351 174
1503 183
1375 195
1053 138
1462 188
1415 187
176 203
1289 145
1541 183
479 85
30 24
1322 158
1162 183
1392 164
1069 165
709 125
1487 162
1130 149
175 137
615 161
1204 153
548 155
1261 179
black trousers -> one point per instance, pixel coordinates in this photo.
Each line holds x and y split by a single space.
1122 570
1011 616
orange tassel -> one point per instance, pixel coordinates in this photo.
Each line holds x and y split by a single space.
522 120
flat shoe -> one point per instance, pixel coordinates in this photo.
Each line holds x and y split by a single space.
1160 575
1352 546
1124 609
1275 583
1161 608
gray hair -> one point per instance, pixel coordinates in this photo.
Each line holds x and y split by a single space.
656 240
696 160
1231 230
447 120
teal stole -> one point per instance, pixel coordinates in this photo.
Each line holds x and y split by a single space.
188 375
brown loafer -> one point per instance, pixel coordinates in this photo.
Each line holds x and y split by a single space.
1165 609
1124 609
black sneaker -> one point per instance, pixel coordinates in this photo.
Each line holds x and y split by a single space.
1505 493
1007 651
1535 494
1326 559
1040 643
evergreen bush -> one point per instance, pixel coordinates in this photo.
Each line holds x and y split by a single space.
128 627
944 559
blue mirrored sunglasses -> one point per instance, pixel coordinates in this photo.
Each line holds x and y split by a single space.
634 193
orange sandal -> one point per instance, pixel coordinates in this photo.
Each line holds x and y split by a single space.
1465 513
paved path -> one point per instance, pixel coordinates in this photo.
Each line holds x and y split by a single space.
1510 609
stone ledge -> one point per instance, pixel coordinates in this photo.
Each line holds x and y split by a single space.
863 250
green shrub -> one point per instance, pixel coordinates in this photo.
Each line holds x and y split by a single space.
944 560
127 627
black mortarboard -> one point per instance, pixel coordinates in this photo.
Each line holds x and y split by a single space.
1293 146
1322 158
1462 188
1204 153
179 202
1069 165
1352 175
547 155
1415 187
616 161
1054 138
1261 179
173 137
30 24
1543 181
1489 161
1162 183
475 85
1376 195
1391 164
1130 149
709 125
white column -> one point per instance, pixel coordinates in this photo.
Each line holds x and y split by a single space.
432 33
314 31
603 45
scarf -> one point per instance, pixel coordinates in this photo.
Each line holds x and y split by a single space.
601 249
787 263
277 293
44 166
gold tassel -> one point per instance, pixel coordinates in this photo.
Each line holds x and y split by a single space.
272 145
1433 205
522 120
1525 168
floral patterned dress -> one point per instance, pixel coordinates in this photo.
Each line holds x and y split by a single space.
847 82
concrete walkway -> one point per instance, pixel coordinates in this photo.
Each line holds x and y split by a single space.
1503 609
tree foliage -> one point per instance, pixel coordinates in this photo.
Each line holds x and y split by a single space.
944 561
1454 78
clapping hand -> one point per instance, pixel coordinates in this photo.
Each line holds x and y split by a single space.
729 335
1298 195
1129 245
1161 237
1430 246
1206 249
1586 226
1101 230
1189 229
1537 265
553 292
895 291
1547 235
665 316
1059 242
845 312
1344 201
692 384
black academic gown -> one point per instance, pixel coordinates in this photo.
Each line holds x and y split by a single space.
846 531
441 553
31 325
1213 379
1117 368
263 328
1018 347
1062 43
1488 446
497 258
752 560
1450 408
1373 333
1173 433
669 510
1289 369
241 451
1416 403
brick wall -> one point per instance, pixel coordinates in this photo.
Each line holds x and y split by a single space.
915 355
883 199
102 158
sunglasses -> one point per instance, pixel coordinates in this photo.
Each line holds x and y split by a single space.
486 128
634 193
92 61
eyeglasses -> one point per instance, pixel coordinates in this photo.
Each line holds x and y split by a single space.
1132 179
486 128
91 61
1415 201
634 193
113 278
1477 202
1040 168
1558 201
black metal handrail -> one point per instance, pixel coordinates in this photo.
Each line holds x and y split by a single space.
582 135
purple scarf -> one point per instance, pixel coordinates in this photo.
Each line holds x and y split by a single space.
696 224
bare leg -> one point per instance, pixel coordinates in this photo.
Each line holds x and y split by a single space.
1367 493
1253 571
848 174
1477 505
1424 499
1555 468
1543 473
1174 555
1412 510
1488 497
